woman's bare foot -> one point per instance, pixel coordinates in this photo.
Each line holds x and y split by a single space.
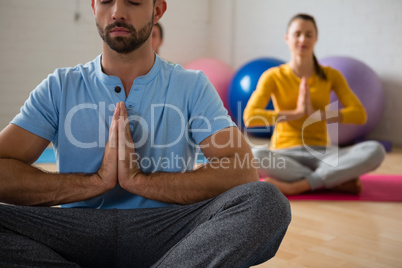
290 188
282 186
298 187
351 187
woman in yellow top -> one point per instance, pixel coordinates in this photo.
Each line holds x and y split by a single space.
300 157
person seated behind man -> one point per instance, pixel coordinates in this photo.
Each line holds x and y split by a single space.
157 37
125 128
301 90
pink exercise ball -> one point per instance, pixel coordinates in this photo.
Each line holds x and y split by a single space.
366 85
219 73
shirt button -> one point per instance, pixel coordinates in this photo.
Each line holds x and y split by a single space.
117 89
130 106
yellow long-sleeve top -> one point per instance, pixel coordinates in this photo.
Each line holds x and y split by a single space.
282 85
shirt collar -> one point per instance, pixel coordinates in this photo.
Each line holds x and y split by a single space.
110 79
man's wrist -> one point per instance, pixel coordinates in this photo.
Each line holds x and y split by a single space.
133 182
97 182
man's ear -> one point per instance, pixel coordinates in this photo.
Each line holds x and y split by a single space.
93 5
159 10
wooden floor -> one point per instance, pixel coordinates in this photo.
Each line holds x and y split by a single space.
342 234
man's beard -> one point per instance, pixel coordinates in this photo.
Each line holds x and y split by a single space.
125 44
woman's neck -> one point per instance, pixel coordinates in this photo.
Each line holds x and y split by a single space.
302 66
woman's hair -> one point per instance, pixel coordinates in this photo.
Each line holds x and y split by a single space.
317 66
160 29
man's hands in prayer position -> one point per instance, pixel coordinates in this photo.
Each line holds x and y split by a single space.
119 161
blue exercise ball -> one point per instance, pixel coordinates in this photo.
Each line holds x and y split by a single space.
243 85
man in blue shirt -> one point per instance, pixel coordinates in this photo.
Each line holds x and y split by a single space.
125 129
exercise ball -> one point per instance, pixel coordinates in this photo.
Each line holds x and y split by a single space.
366 85
243 85
219 74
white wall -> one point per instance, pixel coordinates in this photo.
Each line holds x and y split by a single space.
41 35
37 37
186 25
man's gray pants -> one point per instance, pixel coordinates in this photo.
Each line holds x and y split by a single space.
239 228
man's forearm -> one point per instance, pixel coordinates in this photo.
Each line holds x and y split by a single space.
216 177
22 184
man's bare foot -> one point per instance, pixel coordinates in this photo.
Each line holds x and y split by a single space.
351 187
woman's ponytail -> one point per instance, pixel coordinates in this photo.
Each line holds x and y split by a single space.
318 68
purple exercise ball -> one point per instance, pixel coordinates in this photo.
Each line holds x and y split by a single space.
365 83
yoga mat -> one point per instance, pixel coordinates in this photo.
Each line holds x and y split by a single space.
47 157
376 187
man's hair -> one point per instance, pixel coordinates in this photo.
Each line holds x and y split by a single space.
94 1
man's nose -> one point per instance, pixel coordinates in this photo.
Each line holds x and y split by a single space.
119 10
